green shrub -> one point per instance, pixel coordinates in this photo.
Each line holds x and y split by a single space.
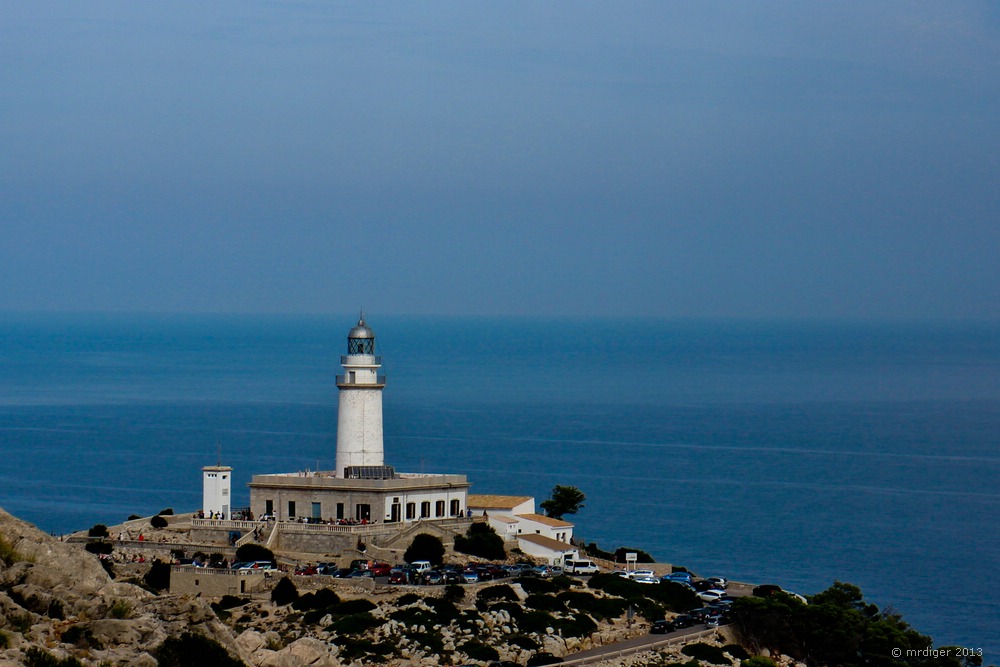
231 601
120 610
36 657
81 637
166 512
737 652
407 599
191 650
759 661
537 585
536 622
158 577
284 592
577 625
706 653
425 547
497 592
515 609
98 530
355 624
444 610
98 548
544 602
4 640
476 650
348 607
158 522
524 641
413 616
133 517
453 593
481 540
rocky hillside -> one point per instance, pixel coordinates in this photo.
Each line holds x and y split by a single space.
60 607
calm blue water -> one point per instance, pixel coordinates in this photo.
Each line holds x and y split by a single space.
788 453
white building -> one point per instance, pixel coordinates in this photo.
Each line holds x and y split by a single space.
217 482
514 516
361 488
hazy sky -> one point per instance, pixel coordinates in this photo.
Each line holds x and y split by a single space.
674 159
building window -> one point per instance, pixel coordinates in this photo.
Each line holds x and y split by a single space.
291 509
340 510
269 507
425 509
439 508
456 509
411 510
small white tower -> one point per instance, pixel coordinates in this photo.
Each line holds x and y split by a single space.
217 481
359 416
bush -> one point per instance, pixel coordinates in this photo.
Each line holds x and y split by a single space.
537 585
4 640
284 592
453 593
98 530
191 650
481 540
158 577
476 650
99 548
543 658
737 652
355 624
36 657
230 602
407 599
133 517
120 610
758 661
544 602
350 607
706 653
497 592
166 512
524 641
158 522
425 547
536 622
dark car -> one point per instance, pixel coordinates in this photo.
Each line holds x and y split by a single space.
662 627
397 576
433 578
684 621
766 590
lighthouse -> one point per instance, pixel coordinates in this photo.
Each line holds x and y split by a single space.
359 416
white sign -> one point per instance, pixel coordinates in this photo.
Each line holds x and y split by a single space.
631 556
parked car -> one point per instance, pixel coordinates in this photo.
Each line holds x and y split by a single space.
766 590
432 578
721 583
644 579
641 573
711 595
397 576
684 621
470 577
680 577
580 566
662 627
380 569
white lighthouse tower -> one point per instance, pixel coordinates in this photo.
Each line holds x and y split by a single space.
359 416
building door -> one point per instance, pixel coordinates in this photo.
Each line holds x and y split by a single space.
363 512
395 513
317 511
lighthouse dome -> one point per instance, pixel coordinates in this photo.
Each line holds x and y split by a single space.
361 331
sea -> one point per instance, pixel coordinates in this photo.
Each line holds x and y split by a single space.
795 453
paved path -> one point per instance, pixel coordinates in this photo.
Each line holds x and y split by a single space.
636 644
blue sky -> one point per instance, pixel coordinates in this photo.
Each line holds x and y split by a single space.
665 159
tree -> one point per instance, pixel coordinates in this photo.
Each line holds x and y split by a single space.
481 540
284 592
251 552
564 500
425 547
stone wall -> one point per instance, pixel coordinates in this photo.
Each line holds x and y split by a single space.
209 582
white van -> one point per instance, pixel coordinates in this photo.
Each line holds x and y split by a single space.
421 566
571 566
